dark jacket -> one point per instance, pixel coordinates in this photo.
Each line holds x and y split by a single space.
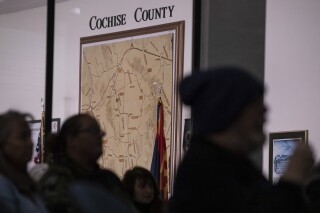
105 178
211 179
56 182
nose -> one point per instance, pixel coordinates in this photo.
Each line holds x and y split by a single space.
149 188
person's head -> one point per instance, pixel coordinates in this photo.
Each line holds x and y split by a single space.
16 145
140 185
226 101
80 139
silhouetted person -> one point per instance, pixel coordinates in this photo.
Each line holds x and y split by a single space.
143 190
17 189
312 189
75 151
215 174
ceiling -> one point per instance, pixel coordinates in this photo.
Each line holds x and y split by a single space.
11 6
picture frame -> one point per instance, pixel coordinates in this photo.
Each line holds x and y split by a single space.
35 127
187 134
281 147
148 64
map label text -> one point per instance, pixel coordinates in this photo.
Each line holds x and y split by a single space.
155 13
105 22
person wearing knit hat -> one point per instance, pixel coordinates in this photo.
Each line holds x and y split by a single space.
217 98
215 174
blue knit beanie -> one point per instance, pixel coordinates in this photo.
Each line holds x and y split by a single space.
218 96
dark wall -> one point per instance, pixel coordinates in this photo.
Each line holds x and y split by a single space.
233 33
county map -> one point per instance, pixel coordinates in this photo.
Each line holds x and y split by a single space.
121 83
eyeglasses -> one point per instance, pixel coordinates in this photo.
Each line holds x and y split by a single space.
93 130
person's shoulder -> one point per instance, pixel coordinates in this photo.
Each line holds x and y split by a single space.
108 173
6 185
57 169
57 175
3 179
112 182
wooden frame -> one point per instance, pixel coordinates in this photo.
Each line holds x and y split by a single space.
281 147
138 60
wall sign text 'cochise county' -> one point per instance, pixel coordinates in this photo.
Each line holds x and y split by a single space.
140 14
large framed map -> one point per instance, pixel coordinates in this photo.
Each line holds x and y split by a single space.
122 77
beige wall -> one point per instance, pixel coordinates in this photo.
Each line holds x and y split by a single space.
292 65
23 49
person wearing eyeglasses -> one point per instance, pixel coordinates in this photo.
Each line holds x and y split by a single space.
74 152
79 143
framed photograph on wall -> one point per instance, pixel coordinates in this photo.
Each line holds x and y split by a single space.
35 126
122 77
281 148
187 134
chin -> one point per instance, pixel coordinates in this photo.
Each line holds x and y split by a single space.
146 201
257 140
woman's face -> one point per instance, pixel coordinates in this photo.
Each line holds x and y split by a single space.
18 146
143 191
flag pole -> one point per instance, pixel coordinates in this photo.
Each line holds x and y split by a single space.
49 69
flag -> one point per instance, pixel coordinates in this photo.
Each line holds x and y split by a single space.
43 115
39 146
37 157
159 166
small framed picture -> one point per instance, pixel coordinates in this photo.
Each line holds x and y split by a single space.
187 134
282 146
